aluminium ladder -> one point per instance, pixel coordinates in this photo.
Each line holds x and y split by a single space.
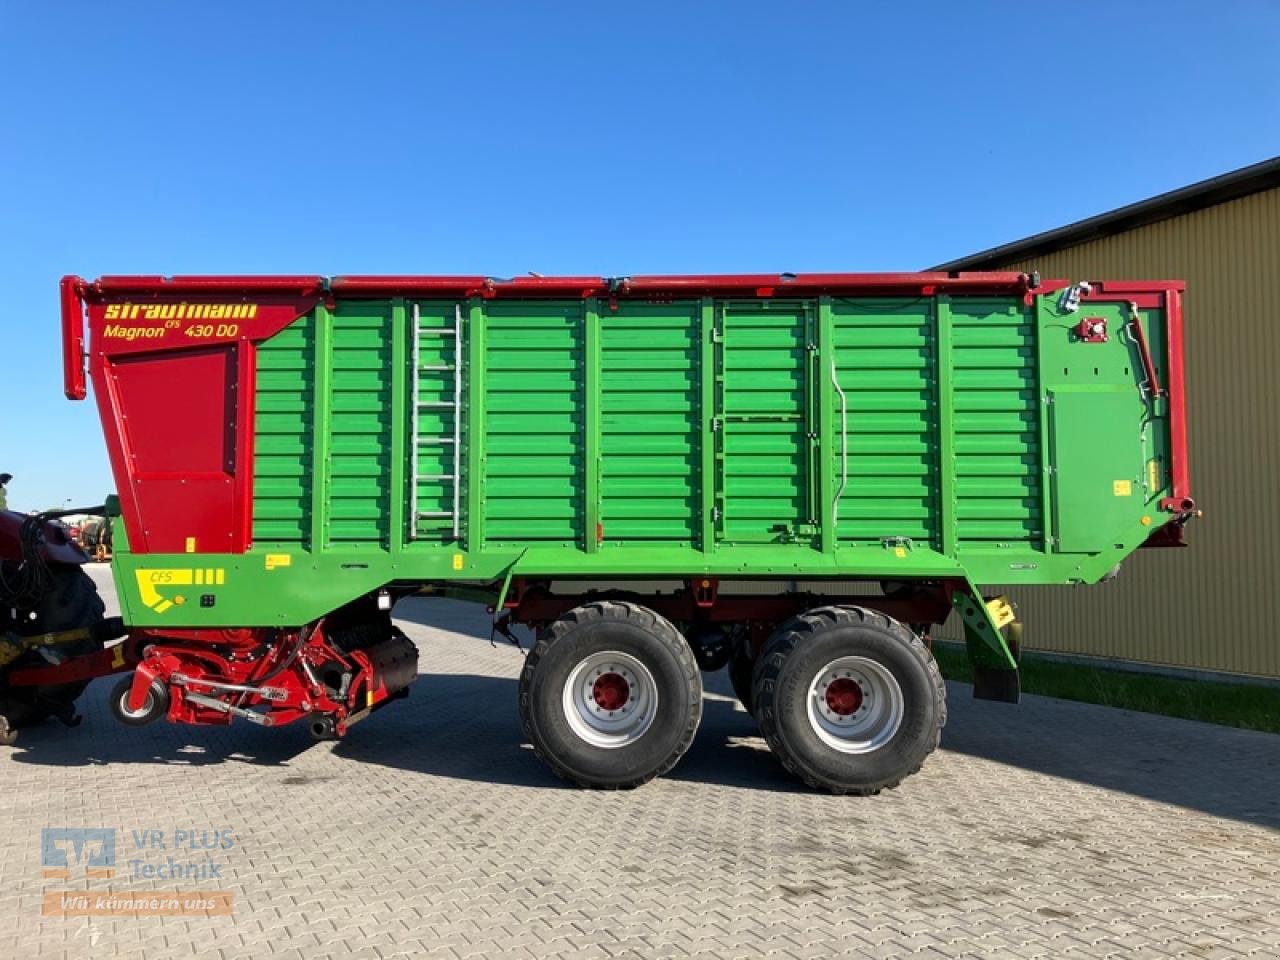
451 443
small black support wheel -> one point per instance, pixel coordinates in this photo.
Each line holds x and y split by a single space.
155 706
741 667
849 700
611 695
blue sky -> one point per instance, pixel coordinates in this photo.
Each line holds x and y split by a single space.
603 138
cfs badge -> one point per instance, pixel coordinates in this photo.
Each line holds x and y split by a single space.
154 584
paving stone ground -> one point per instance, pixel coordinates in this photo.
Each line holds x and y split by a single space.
1051 829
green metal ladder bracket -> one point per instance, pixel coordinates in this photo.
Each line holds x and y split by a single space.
995 668
506 582
983 639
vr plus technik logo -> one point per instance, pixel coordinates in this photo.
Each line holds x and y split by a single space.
182 855
91 849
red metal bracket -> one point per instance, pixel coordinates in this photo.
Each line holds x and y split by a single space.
1148 365
1092 330
73 354
1180 500
705 592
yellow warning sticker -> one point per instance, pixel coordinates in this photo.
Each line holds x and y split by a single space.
191 544
152 580
274 560
457 561
899 552
1122 488
1001 611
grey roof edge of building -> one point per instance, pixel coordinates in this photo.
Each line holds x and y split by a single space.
1197 196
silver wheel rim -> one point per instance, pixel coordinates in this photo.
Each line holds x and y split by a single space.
855 705
142 711
610 699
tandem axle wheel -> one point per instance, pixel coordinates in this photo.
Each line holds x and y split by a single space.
849 700
611 695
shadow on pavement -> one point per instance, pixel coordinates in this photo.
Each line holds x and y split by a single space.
101 739
1218 770
465 726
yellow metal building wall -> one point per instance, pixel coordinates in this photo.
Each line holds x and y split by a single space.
1216 604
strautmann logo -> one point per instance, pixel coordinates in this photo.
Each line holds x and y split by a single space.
180 311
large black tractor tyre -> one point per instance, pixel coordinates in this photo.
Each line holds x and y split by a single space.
71 602
849 700
610 696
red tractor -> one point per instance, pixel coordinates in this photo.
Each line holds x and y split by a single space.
50 611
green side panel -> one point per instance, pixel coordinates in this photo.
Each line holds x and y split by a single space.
765 420
1108 449
359 427
284 407
707 437
650 438
997 423
534 419
1106 423
883 444
432 452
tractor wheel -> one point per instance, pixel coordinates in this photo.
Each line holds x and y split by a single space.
741 666
849 700
610 696
71 602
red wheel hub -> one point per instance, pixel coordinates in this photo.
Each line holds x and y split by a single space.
611 691
844 697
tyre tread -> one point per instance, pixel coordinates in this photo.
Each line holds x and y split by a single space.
805 626
664 630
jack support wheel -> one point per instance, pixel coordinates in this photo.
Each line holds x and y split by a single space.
153 708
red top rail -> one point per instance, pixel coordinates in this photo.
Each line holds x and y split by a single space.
750 285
